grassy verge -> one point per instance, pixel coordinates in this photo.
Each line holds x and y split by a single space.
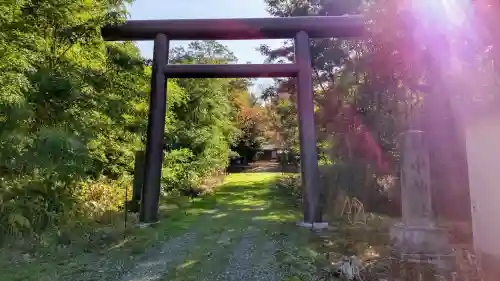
81 254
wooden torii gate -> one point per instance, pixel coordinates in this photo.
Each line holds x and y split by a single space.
301 29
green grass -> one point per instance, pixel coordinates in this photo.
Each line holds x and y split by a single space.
219 220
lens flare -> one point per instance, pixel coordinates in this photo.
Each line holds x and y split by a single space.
442 14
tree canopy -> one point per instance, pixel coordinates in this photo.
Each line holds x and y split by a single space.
73 112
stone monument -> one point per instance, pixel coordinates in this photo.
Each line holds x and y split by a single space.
420 248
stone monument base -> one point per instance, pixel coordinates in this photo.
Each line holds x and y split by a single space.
413 239
420 253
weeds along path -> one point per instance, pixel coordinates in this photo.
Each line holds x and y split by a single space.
245 231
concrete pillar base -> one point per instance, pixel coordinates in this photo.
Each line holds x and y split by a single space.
314 226
146 224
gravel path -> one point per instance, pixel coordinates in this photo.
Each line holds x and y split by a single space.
267 268
239 266
227 244
250 259
154 266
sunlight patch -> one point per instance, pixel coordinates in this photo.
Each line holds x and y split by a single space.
250 209
187 264
211 211
274 217
250 202
220 215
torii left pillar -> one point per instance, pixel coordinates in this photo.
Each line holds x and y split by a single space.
307 134
155 134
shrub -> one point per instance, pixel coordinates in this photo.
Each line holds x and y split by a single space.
98 198
30 204
291 185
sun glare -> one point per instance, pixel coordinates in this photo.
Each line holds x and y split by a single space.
442 14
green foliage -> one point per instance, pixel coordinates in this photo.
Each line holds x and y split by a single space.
282 115
73 111
199 129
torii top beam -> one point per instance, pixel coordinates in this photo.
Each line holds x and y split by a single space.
237 29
